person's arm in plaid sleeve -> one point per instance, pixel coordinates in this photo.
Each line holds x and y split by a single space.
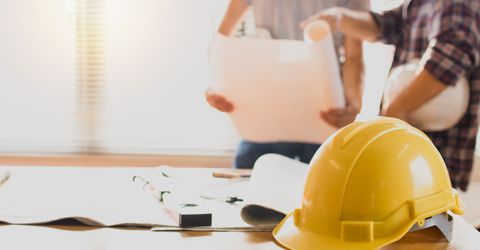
451 54
454 49
423 88
389 25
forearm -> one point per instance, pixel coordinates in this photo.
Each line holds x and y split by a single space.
235 11
353 71
353 81
353 85
358 24
423 88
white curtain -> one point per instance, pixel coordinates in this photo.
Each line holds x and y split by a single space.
109 76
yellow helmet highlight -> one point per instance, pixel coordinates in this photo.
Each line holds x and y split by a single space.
368 184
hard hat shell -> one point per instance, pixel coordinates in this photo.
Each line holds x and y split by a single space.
368 184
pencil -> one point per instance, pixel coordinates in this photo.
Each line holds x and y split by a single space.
4 177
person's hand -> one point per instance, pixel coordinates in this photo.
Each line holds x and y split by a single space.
332 16
218 102
340 117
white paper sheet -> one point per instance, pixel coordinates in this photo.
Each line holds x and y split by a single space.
103 197
278 87
108 197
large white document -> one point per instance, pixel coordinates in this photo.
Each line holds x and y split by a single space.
94 196
109 197
277 87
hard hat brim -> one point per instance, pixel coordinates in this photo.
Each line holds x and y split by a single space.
291 237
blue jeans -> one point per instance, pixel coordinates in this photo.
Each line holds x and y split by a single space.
248 152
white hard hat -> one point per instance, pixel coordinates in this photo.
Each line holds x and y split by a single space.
441 112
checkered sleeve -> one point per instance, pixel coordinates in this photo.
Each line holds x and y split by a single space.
454 49
390 25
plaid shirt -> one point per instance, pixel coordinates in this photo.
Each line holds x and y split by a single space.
445 34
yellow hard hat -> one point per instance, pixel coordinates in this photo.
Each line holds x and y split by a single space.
368 184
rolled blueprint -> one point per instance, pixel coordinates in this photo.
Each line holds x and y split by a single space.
315 31
278 87
274 190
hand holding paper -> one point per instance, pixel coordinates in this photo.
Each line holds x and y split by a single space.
340 117
217 101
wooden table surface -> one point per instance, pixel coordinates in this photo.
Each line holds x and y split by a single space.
14 237
75 237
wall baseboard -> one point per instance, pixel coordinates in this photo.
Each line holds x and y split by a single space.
102 160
